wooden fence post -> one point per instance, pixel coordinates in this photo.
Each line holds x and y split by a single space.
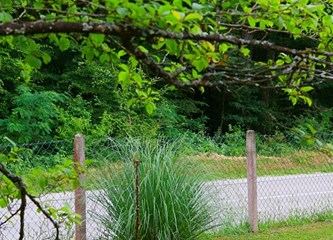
251 160
80 193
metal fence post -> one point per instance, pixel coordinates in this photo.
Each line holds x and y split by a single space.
80 194
251 160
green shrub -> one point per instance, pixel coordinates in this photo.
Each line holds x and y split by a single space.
276 145
172 205
196 143
234 142
33 115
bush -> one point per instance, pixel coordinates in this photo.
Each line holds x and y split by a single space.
172 205
33 115
233 141
197 143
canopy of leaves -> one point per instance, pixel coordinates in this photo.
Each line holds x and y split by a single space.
185 42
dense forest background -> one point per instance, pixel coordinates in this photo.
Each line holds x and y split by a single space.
72 95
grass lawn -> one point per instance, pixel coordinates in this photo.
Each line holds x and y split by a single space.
214 166
318 231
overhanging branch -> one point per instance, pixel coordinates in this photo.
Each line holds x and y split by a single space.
37 27
129 33
21 186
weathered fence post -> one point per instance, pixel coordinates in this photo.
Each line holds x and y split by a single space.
251 160
80 194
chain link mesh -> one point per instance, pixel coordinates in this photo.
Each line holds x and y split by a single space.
37 226
293 181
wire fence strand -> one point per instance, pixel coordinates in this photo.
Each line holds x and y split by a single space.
294 181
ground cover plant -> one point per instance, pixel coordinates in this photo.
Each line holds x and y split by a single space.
289 228
318 231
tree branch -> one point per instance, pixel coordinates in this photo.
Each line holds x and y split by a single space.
246 28
46 214
11 216
128 34
21 186
22 212
29 28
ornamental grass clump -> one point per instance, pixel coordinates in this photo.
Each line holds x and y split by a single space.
152 197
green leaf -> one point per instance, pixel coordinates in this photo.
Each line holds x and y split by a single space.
131 102
279 62
97 39
122 11
245 51
309 101
105 47
5 17
197 6
143 49
104 57
177 15
124 67
123 78
195 74
46 58
64 43
54 38
89 53
226 4
247 9
293 100
141 94
121 53
134 62
202 89
164 9
38 5
137 79
306 89
150 108
33 61
224 47
311 128
172 46
3 158
3 203
193 16
306 100
50 17
200 64
252 21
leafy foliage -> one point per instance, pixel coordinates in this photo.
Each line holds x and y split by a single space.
187 43
32 116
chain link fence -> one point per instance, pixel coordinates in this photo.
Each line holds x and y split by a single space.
295 177
293 180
